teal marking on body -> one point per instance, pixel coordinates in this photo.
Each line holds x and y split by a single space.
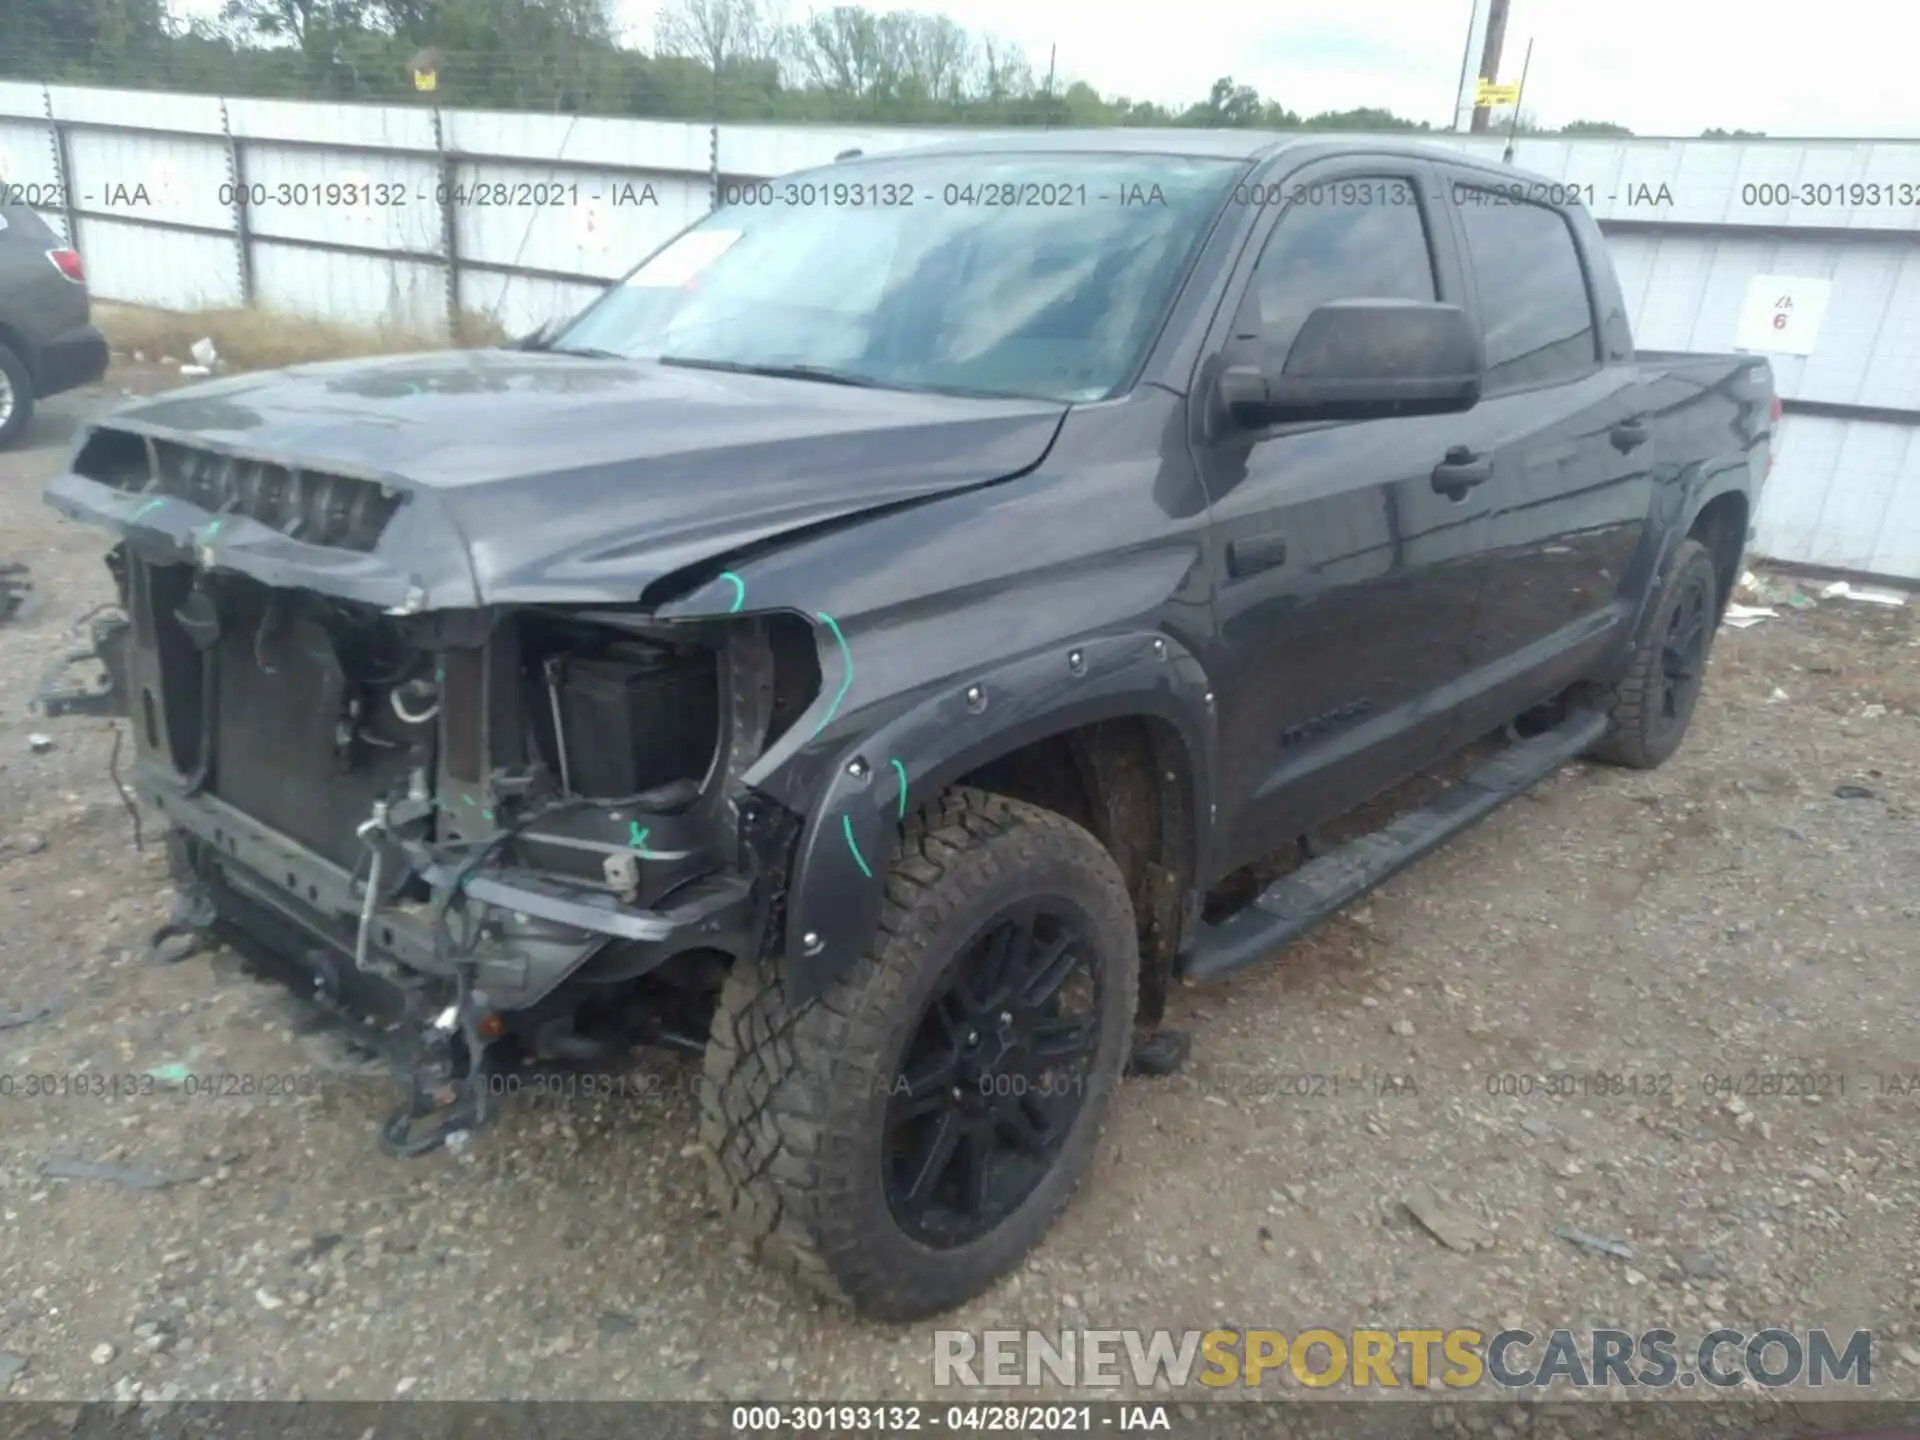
846 684
846 825
637 838
148 508
213 531
486 814
468 799
739 591
903 786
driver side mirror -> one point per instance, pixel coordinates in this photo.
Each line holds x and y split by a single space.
1362 360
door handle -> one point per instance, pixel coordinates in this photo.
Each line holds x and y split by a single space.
1460 472
1255 553
1629 434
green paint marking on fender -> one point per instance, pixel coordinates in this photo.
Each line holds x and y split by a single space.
636 837
148 508
903 786
846 826
486 814
846 684
739 591
213 531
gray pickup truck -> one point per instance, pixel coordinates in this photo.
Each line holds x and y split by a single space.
856 646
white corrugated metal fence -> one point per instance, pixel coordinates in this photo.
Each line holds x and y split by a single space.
404 216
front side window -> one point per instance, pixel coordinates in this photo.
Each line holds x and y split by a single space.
1042 275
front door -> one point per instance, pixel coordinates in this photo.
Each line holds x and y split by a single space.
1344 579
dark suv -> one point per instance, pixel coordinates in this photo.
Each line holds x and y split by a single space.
46 344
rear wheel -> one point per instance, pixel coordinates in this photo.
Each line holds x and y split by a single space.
16 396
1652 706
906 1139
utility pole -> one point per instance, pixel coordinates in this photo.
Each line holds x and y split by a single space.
1463 93
1519 99
1053 55
1490 56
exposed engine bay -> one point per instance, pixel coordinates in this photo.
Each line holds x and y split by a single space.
479 826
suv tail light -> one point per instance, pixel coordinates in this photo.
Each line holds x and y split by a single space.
1773 440
67 262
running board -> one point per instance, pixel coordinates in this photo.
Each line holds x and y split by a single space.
1292 905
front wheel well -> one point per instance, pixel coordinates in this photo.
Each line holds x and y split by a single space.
1128 782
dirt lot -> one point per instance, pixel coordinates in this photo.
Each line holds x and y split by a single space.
1726 914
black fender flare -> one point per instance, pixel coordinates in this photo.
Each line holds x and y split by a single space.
1697 487
837 882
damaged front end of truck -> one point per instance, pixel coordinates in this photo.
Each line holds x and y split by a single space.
468 824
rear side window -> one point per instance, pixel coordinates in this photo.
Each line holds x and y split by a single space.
1533 292
1357 238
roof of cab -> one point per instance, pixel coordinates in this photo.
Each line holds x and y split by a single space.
1248 145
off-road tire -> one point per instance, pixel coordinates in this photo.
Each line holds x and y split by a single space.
1643 736
793 1105
22 385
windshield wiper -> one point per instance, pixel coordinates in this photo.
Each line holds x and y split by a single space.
589 352
827 373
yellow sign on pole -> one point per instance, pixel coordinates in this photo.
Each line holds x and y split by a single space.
426 80
1488 93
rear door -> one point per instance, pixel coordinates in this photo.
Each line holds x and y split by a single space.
1571 441
1343 580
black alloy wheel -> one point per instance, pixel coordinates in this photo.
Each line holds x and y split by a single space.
993 1076
1683 652
1652 704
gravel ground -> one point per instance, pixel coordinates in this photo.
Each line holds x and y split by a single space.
1725 914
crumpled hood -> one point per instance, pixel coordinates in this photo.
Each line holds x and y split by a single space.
538 477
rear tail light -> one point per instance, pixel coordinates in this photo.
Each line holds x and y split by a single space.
67 262
1779 409
1773 441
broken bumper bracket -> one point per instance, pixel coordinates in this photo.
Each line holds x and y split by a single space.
448 1089
108 698
188 931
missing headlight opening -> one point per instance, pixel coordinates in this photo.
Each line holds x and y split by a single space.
438 810
623 716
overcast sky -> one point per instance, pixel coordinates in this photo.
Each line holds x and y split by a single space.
1659 67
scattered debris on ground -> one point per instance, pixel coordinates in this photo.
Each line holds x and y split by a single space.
17 1019
1742 617
1447 1222
1866 594
1617 1248
14 586
63 1168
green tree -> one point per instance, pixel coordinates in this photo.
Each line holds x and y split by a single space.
737 59
1365 118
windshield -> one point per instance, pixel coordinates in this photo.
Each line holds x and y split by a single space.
1029 275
